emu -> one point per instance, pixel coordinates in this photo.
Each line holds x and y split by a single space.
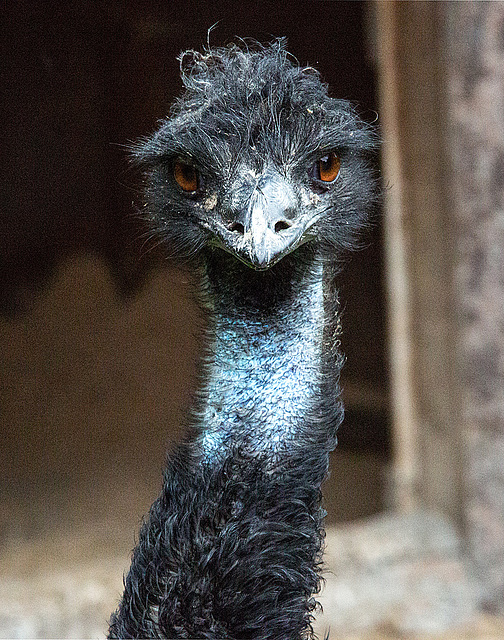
256 182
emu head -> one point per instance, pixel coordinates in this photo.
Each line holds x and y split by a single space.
256 159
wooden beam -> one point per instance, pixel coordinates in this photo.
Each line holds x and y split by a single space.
419 256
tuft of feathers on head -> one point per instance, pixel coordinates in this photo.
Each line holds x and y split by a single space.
255 69
225 86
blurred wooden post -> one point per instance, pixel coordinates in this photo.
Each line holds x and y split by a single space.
404 419
419 257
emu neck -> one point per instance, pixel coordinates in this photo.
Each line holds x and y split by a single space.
264 381
232 547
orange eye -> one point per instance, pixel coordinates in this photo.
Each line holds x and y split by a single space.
328 167
186 176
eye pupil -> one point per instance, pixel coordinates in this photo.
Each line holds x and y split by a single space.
186 176
328 167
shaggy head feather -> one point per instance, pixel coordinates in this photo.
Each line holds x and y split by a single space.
247 114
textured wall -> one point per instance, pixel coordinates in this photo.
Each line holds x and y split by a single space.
475 40
442 84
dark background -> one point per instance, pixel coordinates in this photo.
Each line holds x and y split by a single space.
79 81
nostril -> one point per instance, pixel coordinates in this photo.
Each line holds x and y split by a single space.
281 225
238 228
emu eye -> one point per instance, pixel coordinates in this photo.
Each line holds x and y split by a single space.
327 168
186 176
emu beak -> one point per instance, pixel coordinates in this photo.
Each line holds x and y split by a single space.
268 234
268 228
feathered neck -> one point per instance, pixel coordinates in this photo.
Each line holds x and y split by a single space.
271 372
232 548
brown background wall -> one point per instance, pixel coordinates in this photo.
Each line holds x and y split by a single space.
95 335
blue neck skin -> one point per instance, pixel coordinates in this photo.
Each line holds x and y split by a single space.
265 359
